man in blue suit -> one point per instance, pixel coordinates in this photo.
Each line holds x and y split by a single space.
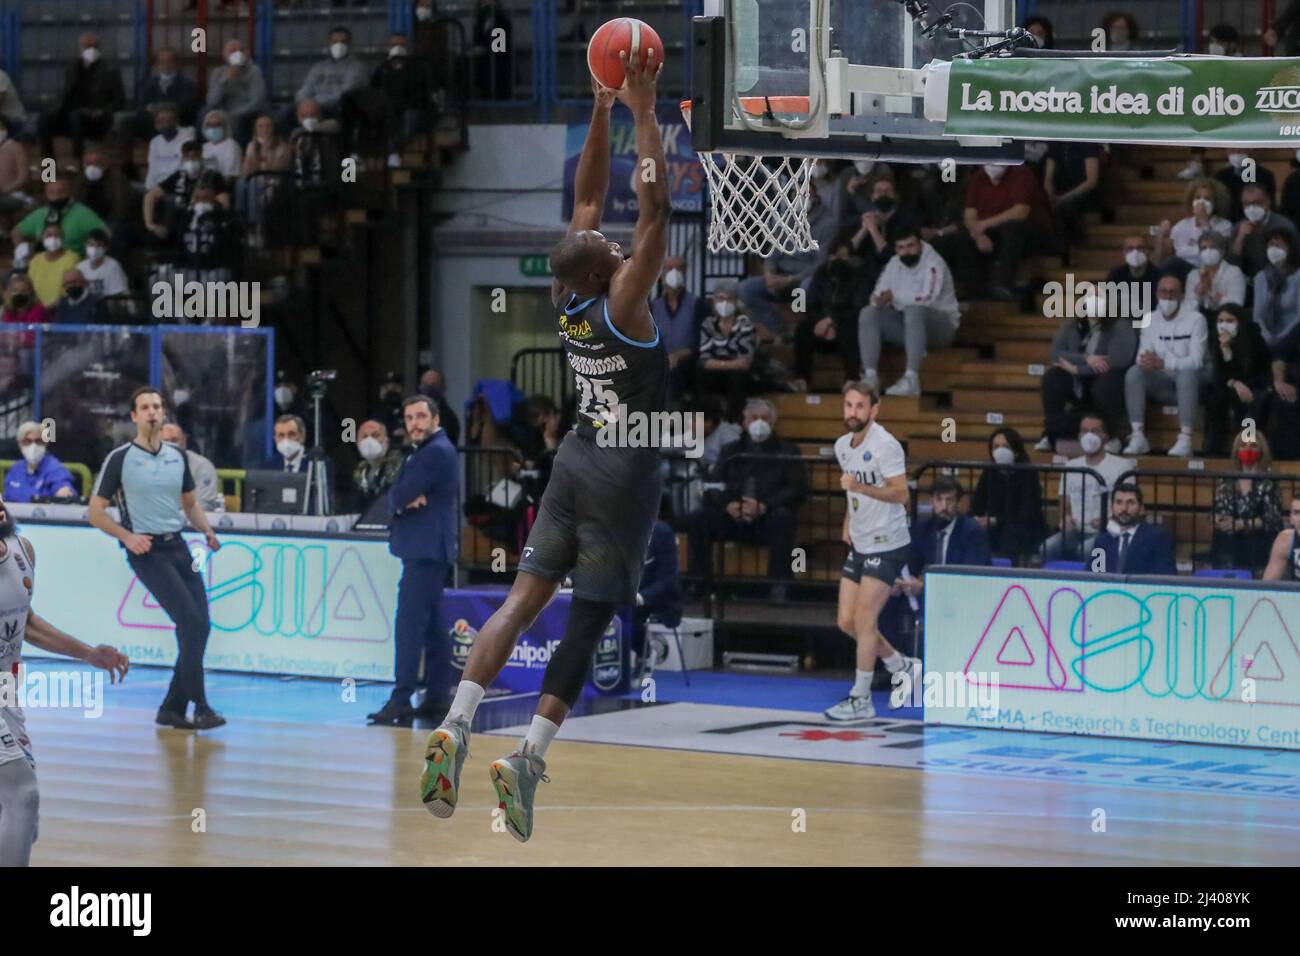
1130 544
946 537
660 593
423 533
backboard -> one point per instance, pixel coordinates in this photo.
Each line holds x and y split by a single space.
861 63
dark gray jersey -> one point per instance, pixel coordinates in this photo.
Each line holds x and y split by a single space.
616 376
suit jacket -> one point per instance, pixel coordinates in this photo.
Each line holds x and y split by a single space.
430 532
1151 551
660 587
276 463
967 545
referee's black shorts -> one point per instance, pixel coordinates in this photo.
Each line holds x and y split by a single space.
596 518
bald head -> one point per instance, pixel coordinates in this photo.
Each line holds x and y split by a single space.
584 261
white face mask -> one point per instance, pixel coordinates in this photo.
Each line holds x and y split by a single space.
34 453
674 279
94 253
1211 257
237 58
1276 255
424 14
1168 307
397 51
190 167
1203 205
52 243
994 172
338 50
180 397
1228 328
863 166
1003 455
289 448
94 173
283 395
725 308
370 448
1256 212
759 430
90 55
1135 258
1090 442
1217 49
202 208
309 123
1236 159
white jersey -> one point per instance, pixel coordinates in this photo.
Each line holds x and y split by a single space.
15 601
874 526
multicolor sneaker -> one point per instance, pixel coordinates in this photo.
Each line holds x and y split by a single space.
515 780
444 755
851 708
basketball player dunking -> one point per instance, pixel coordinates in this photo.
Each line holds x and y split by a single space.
19 799
601 503
1284 561
875 529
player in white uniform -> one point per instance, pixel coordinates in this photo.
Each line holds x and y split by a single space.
876 531
19 799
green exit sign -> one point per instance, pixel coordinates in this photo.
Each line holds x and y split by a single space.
534 266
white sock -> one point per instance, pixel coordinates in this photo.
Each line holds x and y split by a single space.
862 684
540 734
895 662
468 696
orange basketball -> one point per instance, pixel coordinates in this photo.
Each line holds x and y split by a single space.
635 37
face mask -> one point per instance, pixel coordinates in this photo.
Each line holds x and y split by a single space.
309 123
885 204
1119 40
1276 255
74 293
397 51
1204 205
910 261
863 166
94 173
674 279
1003 455
166 78
89 55
1211 257
202 208
1135 258
283 395
190 167
167 132
1255 212
423 14
1249 457
370 448
213 134
994 173
1217 49
338 50
236 58
52 243
21 301
94 253
820 170
1168 307
180 397
289 448
1228 328
1236 159
58 205
725 308
759 430
1090 442
33 453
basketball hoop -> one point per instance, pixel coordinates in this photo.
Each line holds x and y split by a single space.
759 203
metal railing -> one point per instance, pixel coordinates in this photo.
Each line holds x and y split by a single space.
543 372
496 507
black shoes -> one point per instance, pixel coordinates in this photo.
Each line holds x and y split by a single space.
394 711
169 718
205 718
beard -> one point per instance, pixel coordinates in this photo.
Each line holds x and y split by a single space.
1126 520
6 527
855 425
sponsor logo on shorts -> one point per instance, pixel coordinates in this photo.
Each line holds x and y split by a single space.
681 431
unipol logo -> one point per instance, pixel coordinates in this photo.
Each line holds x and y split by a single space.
1163 644
1278 99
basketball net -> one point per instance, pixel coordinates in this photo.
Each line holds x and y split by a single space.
758 204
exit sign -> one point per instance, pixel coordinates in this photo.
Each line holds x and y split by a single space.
535 266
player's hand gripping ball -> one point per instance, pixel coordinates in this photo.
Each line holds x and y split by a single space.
623 35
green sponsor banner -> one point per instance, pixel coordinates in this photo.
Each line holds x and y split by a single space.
1184 100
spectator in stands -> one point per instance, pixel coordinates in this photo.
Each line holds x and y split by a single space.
268 151
21 305
329 79
209 237
493 51
167 86
1284 559
104 274
12 110
1170 367
379 464
1250 239
237 89
92 94
77 220
40 475
404 82
760 500
1121 31
220 151
1277 292
1006 215
77 306
1090 357
313 146
1008 504
1071 178
47 267
1240 376
1138 273
1216 282
13 172
840 289
718 433
539 444
1178 245
880 224
946 537
1224 40
168 206
1247 511
1242 171
109 194
207 484
290 434
165 147
914 305
678 313
1130 544
434 387
1041 28
727 350
858 181
1082 496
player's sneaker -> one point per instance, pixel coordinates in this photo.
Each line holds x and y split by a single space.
851 708
515 780
444 755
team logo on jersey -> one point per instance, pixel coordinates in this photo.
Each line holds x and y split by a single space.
854 502
866 456
575 330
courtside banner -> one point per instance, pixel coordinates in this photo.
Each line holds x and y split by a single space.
1114 657
1184 100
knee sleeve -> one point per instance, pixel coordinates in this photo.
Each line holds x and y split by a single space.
19 812
567 669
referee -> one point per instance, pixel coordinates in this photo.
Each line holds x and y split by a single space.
150 482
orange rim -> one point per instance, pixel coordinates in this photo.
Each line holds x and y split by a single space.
758 105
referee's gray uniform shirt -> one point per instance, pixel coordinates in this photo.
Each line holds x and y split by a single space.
146 487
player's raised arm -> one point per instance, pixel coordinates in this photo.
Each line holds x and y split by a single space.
591 179
631 285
